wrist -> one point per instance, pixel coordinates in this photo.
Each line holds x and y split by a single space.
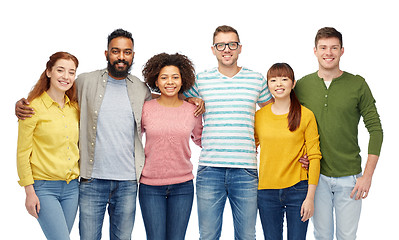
29 190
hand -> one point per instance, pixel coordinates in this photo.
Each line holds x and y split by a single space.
199 103
23 111
362 188
305 161
32 202
307 209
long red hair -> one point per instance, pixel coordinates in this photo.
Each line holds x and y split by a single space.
44 82
294 114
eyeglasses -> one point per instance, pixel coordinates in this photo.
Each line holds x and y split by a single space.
222 46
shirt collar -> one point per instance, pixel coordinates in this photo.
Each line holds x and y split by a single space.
105 71
48 101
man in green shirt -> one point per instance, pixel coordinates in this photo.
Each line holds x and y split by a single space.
338 99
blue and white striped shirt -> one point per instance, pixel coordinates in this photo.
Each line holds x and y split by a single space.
228 134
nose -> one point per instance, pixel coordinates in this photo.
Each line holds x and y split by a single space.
65 75
121 56
169 80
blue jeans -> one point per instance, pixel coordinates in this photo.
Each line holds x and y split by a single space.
334 194
214 185
273 203
166 210
58 207
95 196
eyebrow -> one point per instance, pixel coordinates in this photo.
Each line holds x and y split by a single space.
324 45
73 69
171 74
116 48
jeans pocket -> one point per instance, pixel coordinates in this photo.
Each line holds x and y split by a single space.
301 186
201 169
38 183
85 180
251 172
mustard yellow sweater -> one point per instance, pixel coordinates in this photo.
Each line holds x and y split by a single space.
280 149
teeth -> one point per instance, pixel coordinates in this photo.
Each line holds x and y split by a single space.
63 83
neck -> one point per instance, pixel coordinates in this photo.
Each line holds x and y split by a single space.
281 105
57 96
329 75
170 101
229 71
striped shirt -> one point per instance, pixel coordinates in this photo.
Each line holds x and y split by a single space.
228 134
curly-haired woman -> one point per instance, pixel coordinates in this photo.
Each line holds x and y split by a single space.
166 185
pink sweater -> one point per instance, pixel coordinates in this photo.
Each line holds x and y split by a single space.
167 150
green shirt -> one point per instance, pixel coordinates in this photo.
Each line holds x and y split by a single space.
338 110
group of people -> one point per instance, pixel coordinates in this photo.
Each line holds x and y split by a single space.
91 129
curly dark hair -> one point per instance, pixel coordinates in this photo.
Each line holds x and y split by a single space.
154 65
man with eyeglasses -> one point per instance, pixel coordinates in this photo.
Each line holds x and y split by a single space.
228 165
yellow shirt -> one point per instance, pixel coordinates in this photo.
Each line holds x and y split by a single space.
48 142
280 149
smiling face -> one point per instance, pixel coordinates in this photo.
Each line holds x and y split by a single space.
62 75
328 52
227 57
120 57
280 87
169 81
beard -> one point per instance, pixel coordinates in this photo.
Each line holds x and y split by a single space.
117 73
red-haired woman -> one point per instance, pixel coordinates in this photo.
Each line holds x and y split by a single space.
286 131
47 152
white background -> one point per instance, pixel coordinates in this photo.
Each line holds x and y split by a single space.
282 31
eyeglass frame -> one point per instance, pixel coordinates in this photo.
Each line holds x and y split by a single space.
226 44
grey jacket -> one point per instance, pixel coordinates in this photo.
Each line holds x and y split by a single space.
91 88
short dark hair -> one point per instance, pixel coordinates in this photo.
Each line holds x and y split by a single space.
154 65
328 32
224 29
120 33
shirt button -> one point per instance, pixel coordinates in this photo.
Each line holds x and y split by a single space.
92 144
326 95
325 105
91 160
94 127
101 96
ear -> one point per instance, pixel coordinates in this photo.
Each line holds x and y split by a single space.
106 54
156 83
342 51
314 50
213 50
47 73
294 83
